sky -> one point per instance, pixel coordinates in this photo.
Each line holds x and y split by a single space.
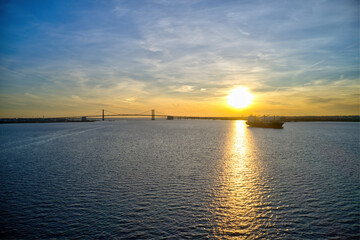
65 58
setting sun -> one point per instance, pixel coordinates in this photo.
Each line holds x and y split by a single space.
240 97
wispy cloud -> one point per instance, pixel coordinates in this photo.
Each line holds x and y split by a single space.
182 89
33 96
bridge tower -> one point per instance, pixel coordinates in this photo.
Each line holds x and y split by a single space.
103 115
153 114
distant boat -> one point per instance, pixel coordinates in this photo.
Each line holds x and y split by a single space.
265 122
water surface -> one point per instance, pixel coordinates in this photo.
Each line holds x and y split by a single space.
180 179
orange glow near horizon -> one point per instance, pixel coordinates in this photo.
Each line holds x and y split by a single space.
240 97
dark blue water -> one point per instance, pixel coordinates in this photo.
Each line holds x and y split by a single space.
179 179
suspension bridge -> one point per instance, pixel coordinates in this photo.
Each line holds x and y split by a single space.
106 114
151 113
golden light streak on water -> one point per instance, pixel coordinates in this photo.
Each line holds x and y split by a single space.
242 201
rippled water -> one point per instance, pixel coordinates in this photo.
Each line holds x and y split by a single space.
179 179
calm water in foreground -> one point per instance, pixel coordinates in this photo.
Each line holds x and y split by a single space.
179 179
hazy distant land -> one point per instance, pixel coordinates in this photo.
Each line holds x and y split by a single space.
354 118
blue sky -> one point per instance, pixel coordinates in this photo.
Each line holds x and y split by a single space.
65 57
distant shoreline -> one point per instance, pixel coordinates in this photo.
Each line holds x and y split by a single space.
355 118
39 120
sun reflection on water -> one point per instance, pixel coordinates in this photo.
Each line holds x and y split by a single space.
242 204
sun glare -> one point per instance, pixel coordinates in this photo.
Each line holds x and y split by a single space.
240 97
